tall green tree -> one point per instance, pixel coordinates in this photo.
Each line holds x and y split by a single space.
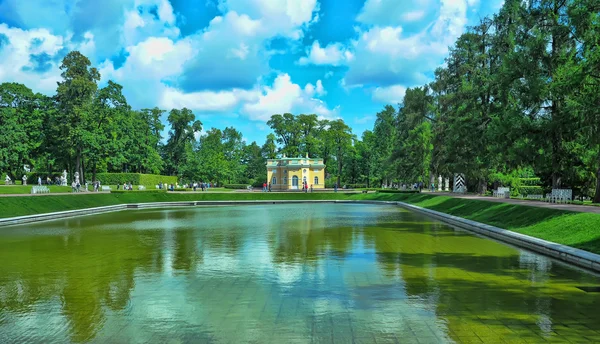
21 121
181 138
288 132
339 136
74 96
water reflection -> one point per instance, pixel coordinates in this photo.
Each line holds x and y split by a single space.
285 273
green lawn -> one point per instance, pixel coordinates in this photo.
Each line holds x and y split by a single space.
574 229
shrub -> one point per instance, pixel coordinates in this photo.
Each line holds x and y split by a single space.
256 184
181 189
238 186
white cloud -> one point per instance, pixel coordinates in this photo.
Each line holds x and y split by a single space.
231 50
389 95
312 90
386 55
278 17
413 15
364 120
32 57
394 12
150 63
328 74
333 54
286 96
206 101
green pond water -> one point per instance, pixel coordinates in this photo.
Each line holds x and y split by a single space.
300 273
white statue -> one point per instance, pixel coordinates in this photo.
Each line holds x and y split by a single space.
440 183
24 180
77 178
7 180
63 178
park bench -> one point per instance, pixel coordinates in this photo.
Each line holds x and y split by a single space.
105 188
502 193
540 197
39 189
141 187
560 196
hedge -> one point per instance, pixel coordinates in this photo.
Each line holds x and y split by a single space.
530 190
357 186
145 191
530 181
237 186
149 180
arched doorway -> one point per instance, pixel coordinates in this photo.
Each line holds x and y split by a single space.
295 182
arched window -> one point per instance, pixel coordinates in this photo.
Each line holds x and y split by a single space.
274 181
295 181
316 181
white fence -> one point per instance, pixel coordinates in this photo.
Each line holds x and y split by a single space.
105 188
39 189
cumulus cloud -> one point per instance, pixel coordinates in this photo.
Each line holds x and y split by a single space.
206 101
150 63
231 50
389 95
386 55
394 12
32 57
286 96
333 54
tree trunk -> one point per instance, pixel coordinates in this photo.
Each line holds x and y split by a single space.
82 172
597 195
94 173
482 186
339 172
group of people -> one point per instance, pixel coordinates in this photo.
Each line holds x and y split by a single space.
126 186
201 185
267 187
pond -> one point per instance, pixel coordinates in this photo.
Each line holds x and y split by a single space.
295 273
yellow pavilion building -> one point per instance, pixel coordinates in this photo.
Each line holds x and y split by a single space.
291 173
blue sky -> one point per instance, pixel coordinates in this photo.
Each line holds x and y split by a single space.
237 62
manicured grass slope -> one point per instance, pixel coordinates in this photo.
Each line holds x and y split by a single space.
579 230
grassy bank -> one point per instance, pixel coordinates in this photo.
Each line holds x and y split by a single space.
574 229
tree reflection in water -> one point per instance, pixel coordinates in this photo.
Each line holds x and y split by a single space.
280 274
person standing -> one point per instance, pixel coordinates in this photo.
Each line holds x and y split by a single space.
39 181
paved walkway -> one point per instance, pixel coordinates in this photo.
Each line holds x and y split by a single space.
539 204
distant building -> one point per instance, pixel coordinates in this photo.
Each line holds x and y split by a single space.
291 173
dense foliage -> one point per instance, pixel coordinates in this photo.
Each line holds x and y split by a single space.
517 104
518 97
